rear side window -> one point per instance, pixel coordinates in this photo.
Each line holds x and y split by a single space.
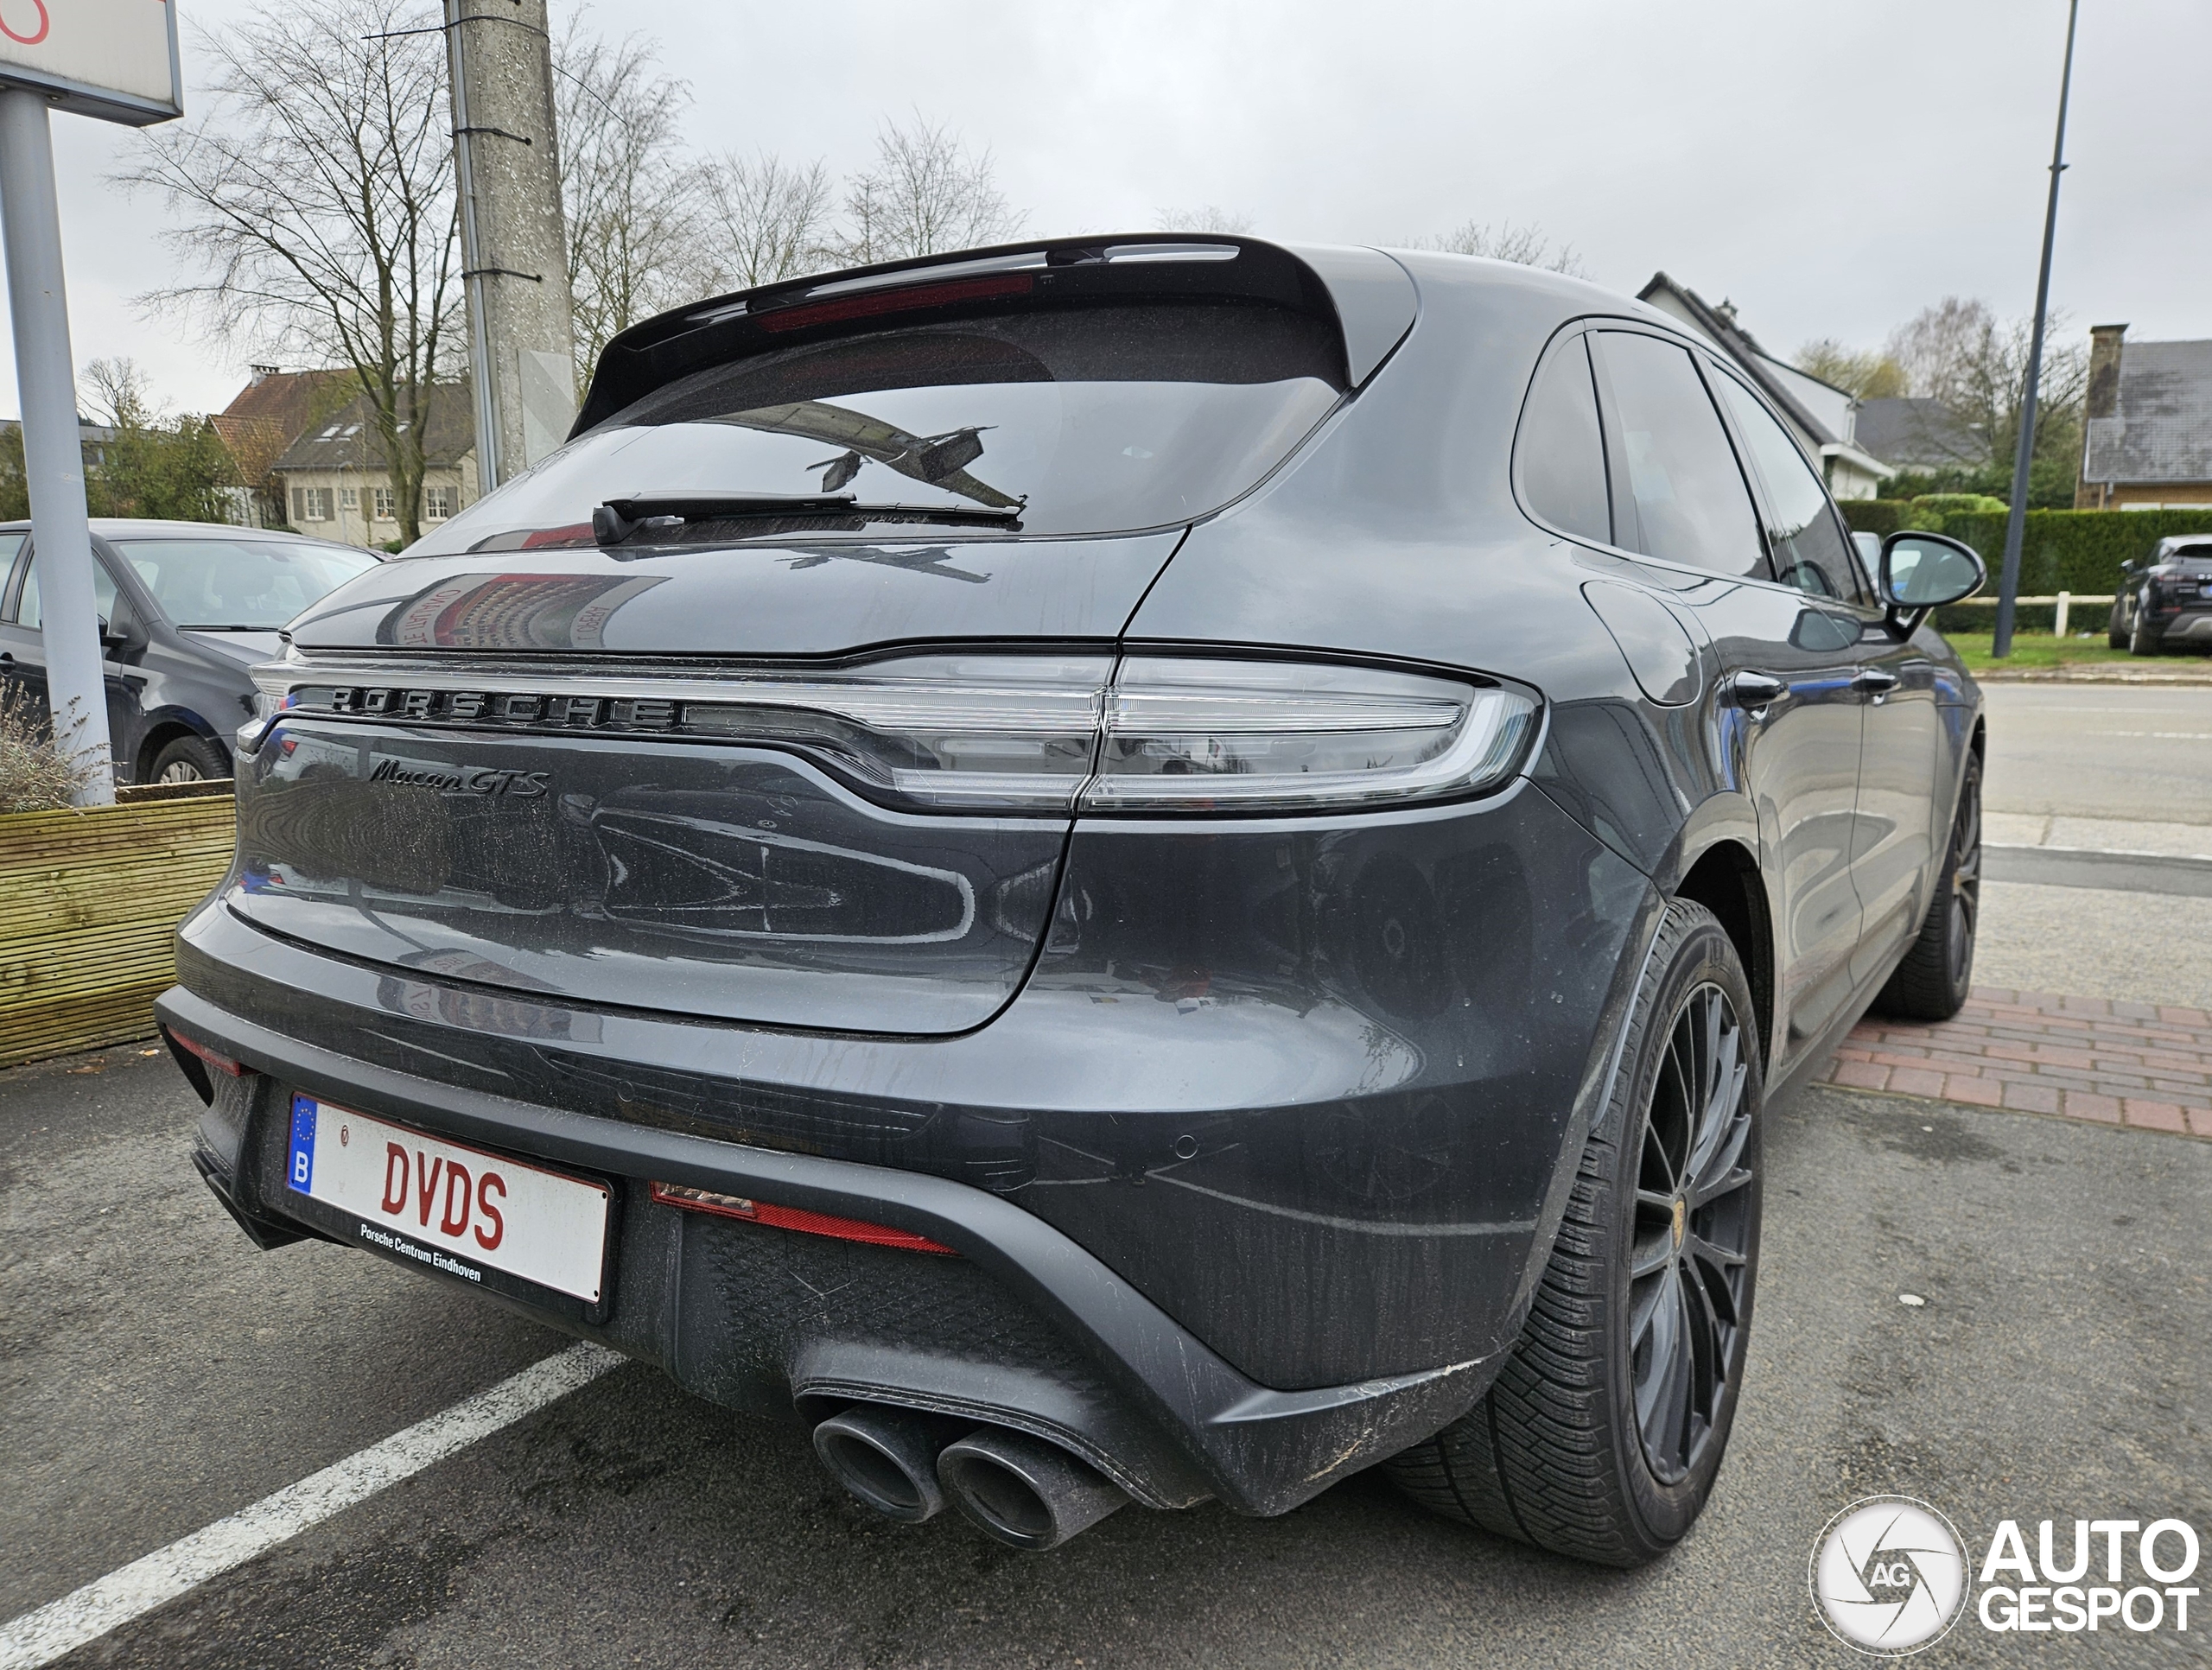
1691 503
1561 450
1807 540
1084 420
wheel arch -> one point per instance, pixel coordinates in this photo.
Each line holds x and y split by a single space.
1725 879
167 727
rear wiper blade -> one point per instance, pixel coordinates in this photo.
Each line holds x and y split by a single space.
662 514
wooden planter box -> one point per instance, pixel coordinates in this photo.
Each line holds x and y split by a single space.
89 904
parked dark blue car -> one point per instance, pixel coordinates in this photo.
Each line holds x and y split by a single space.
186 609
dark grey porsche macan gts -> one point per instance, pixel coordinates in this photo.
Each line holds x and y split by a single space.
1121 870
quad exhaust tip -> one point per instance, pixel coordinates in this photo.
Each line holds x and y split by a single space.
887 1457
1022 1490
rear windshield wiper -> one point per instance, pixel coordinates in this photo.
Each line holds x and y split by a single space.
660 515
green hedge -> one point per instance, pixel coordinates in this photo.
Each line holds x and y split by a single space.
2059 550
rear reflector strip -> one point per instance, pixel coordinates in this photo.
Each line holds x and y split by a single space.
791 1217
193 1046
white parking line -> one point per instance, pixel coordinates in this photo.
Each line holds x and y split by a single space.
40 1637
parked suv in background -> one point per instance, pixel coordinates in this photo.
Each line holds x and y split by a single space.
1136 868
2164 599
186 609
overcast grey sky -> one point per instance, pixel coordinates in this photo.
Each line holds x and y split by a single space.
1832 168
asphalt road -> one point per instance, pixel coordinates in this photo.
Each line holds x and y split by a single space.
2138 753
161 1374
2110 768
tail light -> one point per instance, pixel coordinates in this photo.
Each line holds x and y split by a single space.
1011 734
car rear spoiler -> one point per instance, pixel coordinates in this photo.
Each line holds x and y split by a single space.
1364 292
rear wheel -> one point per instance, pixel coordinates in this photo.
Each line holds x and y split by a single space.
1601 1437
1932 983
2115 634
190 759
2144 640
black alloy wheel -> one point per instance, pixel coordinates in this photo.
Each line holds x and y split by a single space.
1692 1237
1937 973
1602 1435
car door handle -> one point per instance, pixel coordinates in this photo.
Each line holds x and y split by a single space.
1755 692
1877 681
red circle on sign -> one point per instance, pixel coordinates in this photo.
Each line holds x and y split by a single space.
28 40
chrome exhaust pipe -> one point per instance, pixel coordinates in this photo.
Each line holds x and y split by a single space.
1023 1490
887 1457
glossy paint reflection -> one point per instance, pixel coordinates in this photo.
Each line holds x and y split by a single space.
720 881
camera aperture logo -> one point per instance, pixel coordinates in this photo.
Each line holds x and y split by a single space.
1889 1575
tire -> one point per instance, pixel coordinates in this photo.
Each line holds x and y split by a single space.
2144 638
1555 1453
2115 634
190 759
1933 980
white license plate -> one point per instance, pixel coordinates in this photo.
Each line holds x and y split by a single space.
454 1207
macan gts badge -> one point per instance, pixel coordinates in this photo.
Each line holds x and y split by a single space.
1121 870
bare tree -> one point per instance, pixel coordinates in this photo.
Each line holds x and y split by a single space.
314 194
1867 374
1958 352
1525 246
767 219
926 194
1210 217
631 194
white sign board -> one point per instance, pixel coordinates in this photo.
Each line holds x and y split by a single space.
112 59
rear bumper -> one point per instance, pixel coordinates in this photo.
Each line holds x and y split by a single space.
1252 1182
1025 1329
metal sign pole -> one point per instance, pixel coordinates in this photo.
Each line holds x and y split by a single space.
54 457
2016 516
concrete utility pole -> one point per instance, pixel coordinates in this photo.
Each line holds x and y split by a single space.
513 245
53 451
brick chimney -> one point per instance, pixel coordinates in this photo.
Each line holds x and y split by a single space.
2102 400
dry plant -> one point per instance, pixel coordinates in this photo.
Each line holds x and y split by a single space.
35 776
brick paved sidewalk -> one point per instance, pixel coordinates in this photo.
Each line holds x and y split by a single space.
2123 1064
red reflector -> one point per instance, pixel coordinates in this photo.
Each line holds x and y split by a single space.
791 1217
897 300
193 1046
576 533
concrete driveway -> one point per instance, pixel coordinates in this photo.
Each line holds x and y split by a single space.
159 1374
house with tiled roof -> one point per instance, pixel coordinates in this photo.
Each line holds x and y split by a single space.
263 419
2146 440
336 484
1915 432
1823 417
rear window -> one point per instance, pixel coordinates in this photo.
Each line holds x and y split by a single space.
1086 420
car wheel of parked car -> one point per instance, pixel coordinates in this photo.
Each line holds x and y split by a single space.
2144 640
1601 1437
1932 983
190 759
2115 633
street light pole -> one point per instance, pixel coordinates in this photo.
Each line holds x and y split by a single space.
2008 585
54 448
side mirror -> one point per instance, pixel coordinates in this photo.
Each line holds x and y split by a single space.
1924 571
